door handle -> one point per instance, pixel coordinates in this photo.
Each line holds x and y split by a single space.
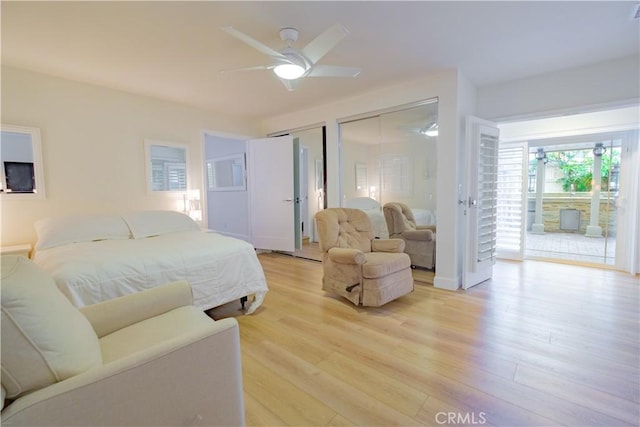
472 203
287 200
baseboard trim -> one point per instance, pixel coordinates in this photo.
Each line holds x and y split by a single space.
446 283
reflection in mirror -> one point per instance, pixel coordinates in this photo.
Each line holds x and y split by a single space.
166 166
21 172
226 173
396 151
310 189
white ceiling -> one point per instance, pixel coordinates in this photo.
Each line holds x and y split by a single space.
174 50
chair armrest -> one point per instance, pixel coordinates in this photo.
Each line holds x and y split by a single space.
431 227
111 315
346 255
425 235
194 379
387 245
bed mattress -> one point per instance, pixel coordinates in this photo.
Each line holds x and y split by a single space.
219 269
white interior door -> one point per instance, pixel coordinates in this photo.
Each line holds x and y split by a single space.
271 195
482 139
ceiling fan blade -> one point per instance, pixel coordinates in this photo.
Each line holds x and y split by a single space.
291 85
333 71
253 43
255 67
322 44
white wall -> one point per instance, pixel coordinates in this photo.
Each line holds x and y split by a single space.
93 146
619 119
605 84
442 85
227 211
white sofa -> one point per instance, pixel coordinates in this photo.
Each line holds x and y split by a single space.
146 359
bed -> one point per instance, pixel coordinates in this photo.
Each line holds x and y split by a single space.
93 258
373 209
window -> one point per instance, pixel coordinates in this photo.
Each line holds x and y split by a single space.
167 166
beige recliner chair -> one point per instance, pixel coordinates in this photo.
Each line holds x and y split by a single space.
358 267
420 239
146 359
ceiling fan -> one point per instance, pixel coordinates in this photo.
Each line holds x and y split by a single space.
291 64
430 129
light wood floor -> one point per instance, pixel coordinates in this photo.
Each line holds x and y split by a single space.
540 344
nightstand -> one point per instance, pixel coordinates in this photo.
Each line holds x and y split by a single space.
21 250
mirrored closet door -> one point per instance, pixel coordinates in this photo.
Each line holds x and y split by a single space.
390 156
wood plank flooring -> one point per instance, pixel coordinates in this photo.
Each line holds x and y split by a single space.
540 344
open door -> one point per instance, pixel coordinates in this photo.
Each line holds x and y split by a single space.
271 193
481 142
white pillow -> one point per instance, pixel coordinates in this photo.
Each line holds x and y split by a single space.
80 228
45 339
154 223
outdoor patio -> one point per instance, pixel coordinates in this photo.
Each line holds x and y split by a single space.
572 247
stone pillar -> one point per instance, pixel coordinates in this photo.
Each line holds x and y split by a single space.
594 229
538 226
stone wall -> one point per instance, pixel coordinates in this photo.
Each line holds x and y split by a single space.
553 203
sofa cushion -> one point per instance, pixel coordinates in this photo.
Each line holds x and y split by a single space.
380 264
45 339
152 331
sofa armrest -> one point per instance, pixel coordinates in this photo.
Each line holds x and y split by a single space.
387 245
424 235
431 227
194 379
346 255
109 316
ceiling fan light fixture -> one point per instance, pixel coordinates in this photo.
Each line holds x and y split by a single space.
430 131
289 71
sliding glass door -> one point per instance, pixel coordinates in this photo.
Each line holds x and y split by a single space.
558 199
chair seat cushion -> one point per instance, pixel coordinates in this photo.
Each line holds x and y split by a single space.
45 339
380 264
143 335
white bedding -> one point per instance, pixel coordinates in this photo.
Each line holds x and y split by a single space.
219 269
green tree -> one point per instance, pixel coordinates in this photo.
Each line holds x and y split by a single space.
577 168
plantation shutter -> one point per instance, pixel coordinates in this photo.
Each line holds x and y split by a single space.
176 176
487 197
511 201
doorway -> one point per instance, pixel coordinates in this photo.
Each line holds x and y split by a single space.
309 187
575 219
568 191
